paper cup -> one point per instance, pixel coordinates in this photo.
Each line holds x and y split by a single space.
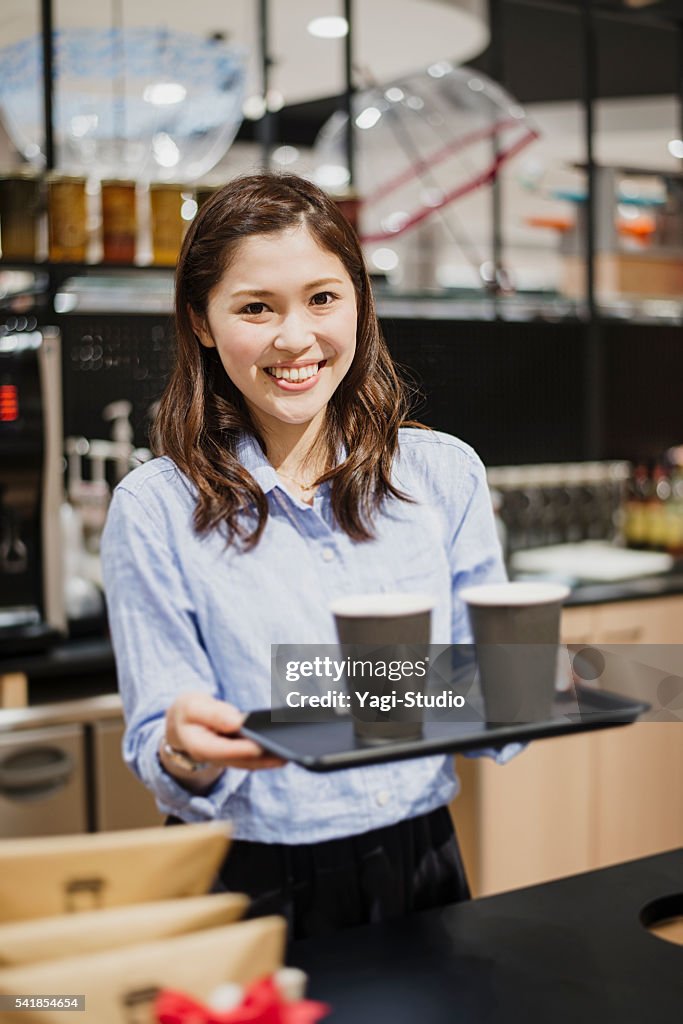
516 629
385 640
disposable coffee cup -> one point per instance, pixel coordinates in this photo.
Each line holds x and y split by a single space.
516 628
384 640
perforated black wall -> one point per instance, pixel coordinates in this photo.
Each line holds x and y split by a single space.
515 391
107 358
511 390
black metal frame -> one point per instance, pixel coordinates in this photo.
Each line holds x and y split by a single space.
593 425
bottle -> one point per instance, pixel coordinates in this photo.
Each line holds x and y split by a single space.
501 529
655 509
674 514
637 490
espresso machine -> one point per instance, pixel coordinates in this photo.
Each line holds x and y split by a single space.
31 489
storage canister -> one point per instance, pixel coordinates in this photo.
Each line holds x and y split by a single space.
119 221
67 218
19 212
168 226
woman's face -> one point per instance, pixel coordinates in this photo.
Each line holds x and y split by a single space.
283 319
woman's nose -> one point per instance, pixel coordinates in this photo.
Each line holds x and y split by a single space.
294 334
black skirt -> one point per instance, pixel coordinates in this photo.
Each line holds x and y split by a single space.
360 879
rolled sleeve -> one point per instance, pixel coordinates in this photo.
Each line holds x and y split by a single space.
158 649
501 755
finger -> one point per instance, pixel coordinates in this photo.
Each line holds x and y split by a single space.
217 715
255 766
205 745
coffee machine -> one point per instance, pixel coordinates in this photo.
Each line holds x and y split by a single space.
31 488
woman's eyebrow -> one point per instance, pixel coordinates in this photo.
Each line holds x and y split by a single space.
265 293
261 292
322 281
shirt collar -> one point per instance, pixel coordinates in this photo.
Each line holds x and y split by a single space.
249 453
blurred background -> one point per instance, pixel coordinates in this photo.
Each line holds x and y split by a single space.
513 168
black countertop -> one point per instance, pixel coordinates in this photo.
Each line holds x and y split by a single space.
665 585
568 952
93 655
90 656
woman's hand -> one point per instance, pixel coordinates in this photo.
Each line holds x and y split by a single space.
205 729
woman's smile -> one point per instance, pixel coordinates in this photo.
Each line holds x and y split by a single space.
283 318
300 377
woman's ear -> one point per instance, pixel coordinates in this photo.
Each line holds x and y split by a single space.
201 330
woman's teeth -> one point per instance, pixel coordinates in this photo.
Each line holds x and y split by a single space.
293 373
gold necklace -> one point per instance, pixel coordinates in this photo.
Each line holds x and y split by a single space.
294 480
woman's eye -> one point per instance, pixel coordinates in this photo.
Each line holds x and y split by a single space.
323 298
254 308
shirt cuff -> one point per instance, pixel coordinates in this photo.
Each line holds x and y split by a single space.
172 798
501 755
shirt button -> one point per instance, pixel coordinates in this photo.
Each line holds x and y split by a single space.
382 798
328 554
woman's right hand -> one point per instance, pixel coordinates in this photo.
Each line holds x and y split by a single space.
206 730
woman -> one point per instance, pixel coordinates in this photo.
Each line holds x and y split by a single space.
285 480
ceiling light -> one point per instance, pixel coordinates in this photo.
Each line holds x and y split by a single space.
368 117
254 107
164 94
274 100
81 124
189 209
443 67
328 28
394 94
332 175
432 196
394 221
165 151
675 147
285 155
385 259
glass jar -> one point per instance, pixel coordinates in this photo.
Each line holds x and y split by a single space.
19 212
67 218
168 226
119 221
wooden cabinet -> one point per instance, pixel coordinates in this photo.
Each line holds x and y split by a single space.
580 802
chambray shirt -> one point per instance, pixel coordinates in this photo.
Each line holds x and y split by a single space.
187 613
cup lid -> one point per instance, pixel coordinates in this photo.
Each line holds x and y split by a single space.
382 605
510 595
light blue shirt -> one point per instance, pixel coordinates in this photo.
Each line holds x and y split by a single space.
187 613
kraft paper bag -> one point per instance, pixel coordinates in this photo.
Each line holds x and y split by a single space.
120 986
46 938
52 875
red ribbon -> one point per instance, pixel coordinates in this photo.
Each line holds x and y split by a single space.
262 1004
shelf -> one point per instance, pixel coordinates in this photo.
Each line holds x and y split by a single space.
75 269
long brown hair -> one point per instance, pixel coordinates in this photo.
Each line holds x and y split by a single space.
202 414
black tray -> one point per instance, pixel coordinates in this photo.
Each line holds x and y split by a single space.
328 743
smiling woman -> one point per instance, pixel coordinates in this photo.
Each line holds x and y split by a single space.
287 477
271 278
283 320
